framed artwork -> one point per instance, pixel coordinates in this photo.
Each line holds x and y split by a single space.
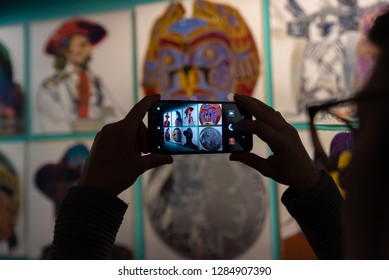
12 96
203 207
12 200
319 51
81 72
220 69
54 168
207 204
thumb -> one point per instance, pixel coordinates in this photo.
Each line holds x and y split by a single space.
154 160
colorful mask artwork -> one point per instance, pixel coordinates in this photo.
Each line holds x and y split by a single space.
210 114
204 57
9 202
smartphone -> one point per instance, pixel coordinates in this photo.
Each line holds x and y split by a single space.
194 127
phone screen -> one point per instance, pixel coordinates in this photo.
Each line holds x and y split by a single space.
188 127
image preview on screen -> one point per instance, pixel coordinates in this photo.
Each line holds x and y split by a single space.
193 127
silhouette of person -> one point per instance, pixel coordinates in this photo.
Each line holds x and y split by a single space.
188 136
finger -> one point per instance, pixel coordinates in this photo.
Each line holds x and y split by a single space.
260 110
265 132
142 138
253 161
138 112
254 106
154 160
93 148
253 127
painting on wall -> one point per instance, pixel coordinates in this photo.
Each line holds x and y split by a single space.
320 51
12 198
203 207
81 72
54 168
12 97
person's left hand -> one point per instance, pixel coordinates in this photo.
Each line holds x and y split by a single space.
115 160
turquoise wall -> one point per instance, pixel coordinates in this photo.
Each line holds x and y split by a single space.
17 11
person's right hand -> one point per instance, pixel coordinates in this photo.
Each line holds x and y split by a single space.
290 163
115 160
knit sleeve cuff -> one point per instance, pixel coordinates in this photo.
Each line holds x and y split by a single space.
87 224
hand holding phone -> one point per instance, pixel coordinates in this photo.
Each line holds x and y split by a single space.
193 127
117 157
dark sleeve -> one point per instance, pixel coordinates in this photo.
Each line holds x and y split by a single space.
319 214
87 224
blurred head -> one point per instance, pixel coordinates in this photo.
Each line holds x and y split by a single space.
188 134
367 51
79 50
379 34
365 178
73 41
370 154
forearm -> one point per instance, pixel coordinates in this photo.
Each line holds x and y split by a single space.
87 224
319 214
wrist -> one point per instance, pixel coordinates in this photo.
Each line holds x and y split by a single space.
96 185
308 182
